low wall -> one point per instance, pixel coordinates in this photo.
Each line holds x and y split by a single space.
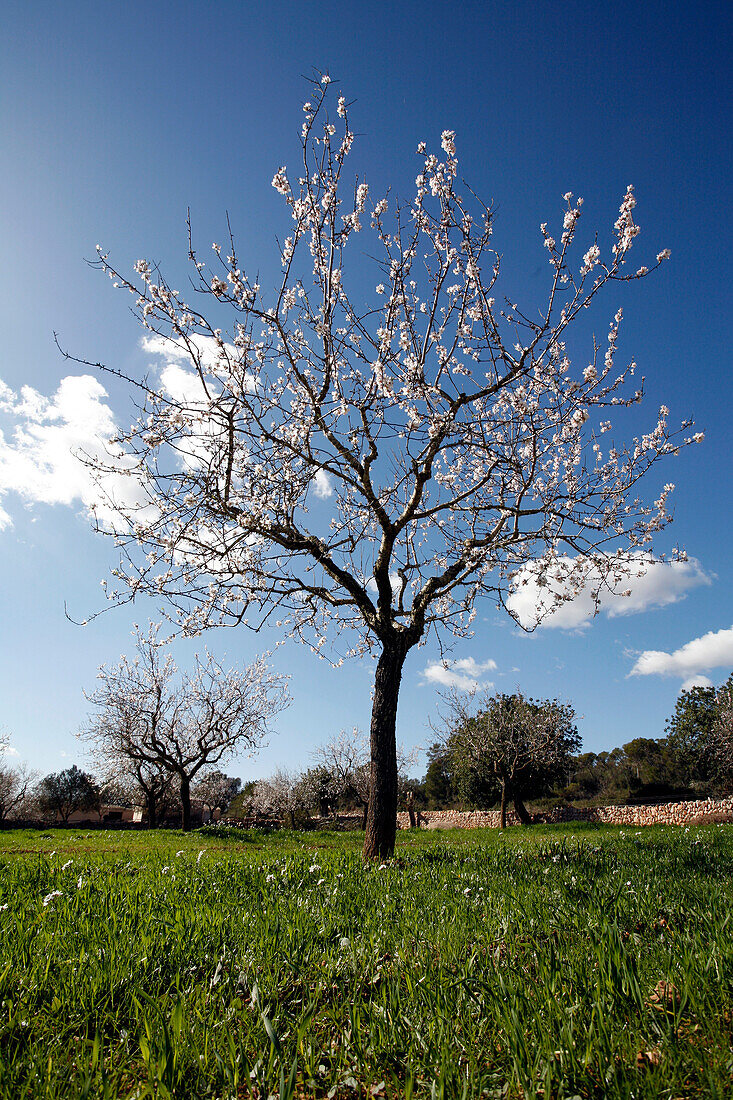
667 813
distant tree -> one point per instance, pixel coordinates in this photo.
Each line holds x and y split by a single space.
242 805
690 735
139 783
150 714
15 786
16 781
63 793
462 452
584 778
116 791
439 789
318 788
644 758
723 735
158 788
282 796
216 791
511 745
345 758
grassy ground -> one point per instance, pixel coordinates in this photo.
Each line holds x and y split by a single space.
565 961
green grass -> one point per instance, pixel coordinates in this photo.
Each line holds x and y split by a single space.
474 964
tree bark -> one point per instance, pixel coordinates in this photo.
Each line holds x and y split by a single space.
381 823
185 792
522 811
152 811
503 804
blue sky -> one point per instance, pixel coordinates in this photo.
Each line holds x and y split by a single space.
115 119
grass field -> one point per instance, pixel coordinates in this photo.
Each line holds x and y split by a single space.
565 961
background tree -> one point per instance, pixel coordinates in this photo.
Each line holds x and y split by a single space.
216 791
317 785
63 793
690 735
509 744
459 452
143 783
282 796
723 733
148 713
439 791
345 758
16 781
242 805
15 786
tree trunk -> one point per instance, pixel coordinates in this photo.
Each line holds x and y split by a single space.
381 823
152 811
522 811
503 804
185 792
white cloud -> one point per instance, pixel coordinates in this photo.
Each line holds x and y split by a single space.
207 348
8 750
651 585
712 650
182 386
394 579
464 675
185 384
322 486
696 681
41 458
38 460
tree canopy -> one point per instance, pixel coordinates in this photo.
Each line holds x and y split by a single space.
63 793
316 462
161 720
508 746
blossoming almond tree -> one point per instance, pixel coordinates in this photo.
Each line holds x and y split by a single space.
152 718
322 465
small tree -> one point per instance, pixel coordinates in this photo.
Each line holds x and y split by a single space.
15 785
281 796
63 793
438 778
519 746
242 805
459 452
216 791
345 760
148 714
691 734
723 731
15 782
318 789
148 784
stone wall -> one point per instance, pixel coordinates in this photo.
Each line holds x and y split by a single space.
667 813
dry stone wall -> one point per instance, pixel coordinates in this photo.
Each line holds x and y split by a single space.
668 813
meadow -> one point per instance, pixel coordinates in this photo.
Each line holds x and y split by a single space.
565 961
